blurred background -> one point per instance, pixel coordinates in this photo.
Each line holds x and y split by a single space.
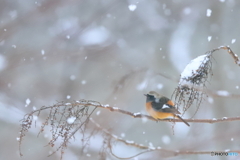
114 51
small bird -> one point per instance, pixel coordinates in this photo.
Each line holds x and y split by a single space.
160 107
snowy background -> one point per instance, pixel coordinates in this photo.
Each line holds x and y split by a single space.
113 52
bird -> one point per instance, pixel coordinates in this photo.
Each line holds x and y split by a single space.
161 107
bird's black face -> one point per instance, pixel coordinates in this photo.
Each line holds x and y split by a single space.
150 98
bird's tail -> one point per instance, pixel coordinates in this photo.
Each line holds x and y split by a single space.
183 120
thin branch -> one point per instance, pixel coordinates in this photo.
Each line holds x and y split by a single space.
151 148
234 56
138 115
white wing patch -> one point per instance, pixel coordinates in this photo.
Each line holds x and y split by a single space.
165 106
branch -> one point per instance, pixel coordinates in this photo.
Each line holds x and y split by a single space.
139 115
151 148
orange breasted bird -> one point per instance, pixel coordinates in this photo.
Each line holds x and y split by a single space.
160 107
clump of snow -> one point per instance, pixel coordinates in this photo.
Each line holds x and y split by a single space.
130 142
193 67
132 7
106 105
209 12
150 146
224 118
227 150
135 114
71 120
223 93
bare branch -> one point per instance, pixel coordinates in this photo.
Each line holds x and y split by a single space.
234 56
150 148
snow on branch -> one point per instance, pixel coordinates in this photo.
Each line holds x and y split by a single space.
193 78
65 119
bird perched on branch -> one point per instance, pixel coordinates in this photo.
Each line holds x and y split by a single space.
160 107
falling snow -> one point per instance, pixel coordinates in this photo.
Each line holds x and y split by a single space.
83 82
166 139
142 85
209 38
187 10
210 100
71 120
72 77
233 41
68 97
132 7
209 12
98 113
28 101
122 134
42 52
159 86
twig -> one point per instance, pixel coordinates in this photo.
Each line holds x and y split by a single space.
234 56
